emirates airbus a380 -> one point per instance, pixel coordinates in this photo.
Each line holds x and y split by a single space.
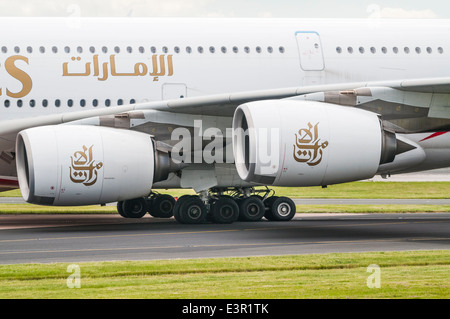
111 110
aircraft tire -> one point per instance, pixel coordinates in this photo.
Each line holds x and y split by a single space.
251 209
134 208
176 208
120 209
191 210
162 206
224 210
268 204
281 209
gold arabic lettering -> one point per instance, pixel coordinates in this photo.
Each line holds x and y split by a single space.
83 169
158 68
307 148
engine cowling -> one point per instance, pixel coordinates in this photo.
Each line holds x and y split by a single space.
306 143
83 165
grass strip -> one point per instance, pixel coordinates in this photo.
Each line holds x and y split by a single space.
418 274
367 189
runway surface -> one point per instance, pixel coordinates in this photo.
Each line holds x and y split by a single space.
79 238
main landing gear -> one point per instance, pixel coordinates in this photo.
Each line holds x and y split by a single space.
221 206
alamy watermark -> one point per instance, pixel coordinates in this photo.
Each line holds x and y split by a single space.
374 280
213 145
74 280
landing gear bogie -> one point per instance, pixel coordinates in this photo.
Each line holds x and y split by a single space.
212 206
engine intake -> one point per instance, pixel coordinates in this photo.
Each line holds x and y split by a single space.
82 165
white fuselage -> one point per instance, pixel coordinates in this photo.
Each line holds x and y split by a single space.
52 66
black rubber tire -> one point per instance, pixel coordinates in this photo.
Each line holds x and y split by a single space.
176 208
268 204
282 209
162 206
192 210
224 210
120 209
134 208
251 209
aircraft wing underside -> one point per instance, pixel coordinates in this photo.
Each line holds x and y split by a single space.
424 99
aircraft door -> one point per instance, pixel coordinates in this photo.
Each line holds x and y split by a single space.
310 51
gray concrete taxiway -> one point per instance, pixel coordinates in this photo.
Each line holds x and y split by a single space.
80 238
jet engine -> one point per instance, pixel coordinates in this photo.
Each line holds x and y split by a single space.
307 143
74 165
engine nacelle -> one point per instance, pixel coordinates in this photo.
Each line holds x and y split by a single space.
306 143
83 165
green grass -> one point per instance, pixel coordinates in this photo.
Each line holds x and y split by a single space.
403 190
420 274
371 190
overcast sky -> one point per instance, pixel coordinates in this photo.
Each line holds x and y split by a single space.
229 8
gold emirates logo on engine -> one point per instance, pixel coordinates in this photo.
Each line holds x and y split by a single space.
307 148
83 168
